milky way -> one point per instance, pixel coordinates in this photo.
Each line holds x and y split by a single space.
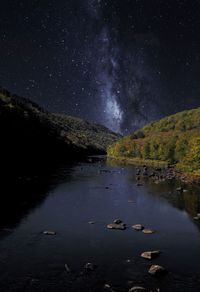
104 56
120 63
121 78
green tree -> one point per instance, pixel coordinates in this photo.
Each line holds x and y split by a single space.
147 151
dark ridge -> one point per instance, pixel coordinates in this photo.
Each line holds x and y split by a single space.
32 135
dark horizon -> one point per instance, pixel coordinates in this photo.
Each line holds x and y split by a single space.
118 64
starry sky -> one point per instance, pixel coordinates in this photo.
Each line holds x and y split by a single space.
121 63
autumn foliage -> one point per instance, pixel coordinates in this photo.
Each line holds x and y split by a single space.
174 139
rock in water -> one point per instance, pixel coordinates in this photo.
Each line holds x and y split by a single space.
137 289
145 171
67 268
117 221
49 232
107 286
91 222
150 254
120 226
156 270
138 227
179 190
148 231
90 267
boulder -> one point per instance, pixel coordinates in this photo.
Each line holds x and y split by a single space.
156 270
138 227
117 221
148 231
120 226
150 254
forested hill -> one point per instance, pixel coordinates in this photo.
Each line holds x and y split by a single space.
29 132
174 139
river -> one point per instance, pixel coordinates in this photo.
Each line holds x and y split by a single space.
67 199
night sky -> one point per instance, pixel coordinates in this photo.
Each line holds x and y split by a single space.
121 63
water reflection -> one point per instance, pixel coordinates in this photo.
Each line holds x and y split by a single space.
188 200
26 190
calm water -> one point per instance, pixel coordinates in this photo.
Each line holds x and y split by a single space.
70 196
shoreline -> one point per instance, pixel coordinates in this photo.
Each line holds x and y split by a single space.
185 177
